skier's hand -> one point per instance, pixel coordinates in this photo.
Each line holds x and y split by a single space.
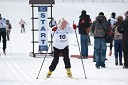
54 28
74 26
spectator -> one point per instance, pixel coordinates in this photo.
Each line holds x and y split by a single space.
123 28
84 29
112 22
118 42
99 39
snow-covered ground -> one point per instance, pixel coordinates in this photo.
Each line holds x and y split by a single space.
18 68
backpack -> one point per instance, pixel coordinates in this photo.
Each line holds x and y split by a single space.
99 31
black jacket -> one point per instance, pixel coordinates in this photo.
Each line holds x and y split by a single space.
123 28
84 23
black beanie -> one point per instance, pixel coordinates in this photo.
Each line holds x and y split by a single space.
113 14
101 13
83 12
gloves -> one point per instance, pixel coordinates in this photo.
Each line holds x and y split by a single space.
54 28
74 26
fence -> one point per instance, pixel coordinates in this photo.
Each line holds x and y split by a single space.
91 1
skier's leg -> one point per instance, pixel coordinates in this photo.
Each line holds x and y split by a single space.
66 59
54 62
4 41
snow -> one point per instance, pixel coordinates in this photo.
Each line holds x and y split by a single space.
18 68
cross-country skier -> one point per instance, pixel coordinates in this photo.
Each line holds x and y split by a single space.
60 44
22 23
3 32
8 29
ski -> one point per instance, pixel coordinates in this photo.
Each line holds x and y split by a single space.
72 78
45 78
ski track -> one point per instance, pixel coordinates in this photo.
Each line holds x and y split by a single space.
21 75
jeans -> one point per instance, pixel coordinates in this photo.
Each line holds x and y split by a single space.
100 51
84 45
118 47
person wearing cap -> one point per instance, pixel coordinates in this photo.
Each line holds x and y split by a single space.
92 32
84 29
3 32
123 29
112 22
99 39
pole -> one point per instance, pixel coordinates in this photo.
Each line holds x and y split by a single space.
80 52
44 59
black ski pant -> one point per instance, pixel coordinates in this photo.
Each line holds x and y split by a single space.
125 50
3 35
65 53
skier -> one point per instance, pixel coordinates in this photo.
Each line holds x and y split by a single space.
60 44
22 23
8 29
3 32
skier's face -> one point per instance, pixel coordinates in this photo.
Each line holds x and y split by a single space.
63 24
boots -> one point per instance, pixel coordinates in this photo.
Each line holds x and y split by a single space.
69 74
49 74
120 61
116 61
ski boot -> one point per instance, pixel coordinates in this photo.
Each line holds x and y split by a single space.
69 74
49 74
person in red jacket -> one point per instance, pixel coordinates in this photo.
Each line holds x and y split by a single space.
84 29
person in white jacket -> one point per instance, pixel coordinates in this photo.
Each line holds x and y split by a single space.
60 44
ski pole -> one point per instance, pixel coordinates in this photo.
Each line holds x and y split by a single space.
44 58
80 53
